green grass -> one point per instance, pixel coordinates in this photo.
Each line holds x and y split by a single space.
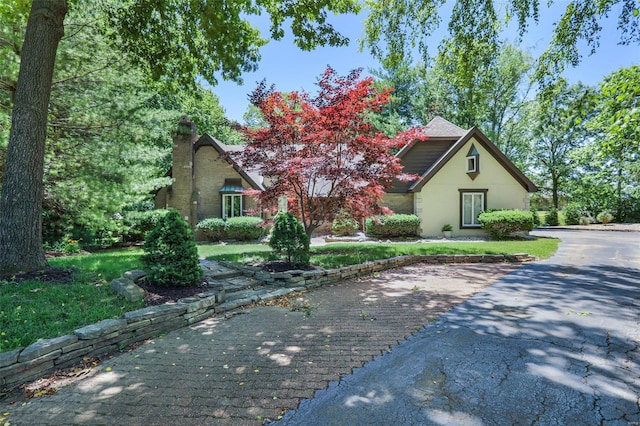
343 254
33 310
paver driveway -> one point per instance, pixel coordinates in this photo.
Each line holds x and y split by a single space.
246 368
553 343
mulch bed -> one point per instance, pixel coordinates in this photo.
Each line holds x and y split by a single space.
158 294
49 275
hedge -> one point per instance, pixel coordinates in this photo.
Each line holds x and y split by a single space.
244 228
502 223
394 225
213 228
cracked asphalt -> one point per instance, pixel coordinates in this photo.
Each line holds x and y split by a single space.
552 343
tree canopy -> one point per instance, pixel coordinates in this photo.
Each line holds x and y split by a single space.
172 42
322 152
396 29
208 38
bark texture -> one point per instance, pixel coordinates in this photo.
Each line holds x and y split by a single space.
21 198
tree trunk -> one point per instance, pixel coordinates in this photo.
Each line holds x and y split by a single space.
21 198
554 190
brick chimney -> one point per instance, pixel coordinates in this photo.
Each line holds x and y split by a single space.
182 197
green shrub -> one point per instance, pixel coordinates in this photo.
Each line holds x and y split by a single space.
171 255
572 214
536 218
586 220
394 225
604 217
289 239
213 228
65 245
244 228
551 218
344 224
141 222
503 223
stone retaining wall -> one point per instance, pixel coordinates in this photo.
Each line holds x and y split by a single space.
48 355
315 278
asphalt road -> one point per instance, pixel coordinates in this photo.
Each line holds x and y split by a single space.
553 343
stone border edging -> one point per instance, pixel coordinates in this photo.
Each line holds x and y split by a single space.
47 355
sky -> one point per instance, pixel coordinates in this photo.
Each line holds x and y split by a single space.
289 68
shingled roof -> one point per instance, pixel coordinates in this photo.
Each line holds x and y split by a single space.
441 128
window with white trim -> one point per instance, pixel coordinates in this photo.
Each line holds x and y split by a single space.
473 162
472 204
231 205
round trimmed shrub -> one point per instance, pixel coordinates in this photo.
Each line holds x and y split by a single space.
244 228
344 225
288 239
586 220
170 253
393 225
213 228
604 217
501 224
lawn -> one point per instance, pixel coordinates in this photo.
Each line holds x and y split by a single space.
87 298
342 254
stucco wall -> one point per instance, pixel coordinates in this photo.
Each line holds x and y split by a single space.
210 174
439 201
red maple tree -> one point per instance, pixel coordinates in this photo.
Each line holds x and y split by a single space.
322 152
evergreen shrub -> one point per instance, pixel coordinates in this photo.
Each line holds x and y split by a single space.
138 223
573 212
551 218
244 228
394 225
170 253
213 228
501 224
288 239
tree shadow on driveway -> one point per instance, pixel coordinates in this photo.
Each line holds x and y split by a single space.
546 344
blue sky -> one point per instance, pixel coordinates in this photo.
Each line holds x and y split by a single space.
289 68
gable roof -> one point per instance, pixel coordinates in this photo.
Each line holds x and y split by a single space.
253 178
438 127
474 132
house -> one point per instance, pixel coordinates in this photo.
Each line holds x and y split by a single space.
206 183
460 174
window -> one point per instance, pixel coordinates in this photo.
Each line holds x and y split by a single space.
473 162
472 203
231 205
231 198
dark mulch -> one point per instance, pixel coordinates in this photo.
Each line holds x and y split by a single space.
49 275
158 294
281 266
